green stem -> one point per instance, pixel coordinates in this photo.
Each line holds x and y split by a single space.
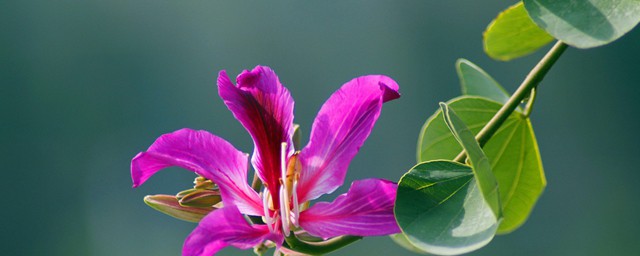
531 81
256 184
319 248
530 102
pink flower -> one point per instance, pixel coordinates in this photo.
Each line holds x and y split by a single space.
265 109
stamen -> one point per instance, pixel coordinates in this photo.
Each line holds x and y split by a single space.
283 162
284 211
284 196
293 175
296 206
265 207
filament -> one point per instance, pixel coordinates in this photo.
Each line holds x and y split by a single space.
296 206
265 206
284 195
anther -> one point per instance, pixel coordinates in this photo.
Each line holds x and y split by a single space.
293 175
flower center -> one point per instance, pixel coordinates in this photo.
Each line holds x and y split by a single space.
287 193
289 174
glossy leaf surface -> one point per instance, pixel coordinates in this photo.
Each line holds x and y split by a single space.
585 23
513 34
479 162
441 210
512 151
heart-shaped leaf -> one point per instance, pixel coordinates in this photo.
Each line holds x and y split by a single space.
512 151
513 34
441 210
585 23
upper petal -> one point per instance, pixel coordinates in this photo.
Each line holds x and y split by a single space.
265 109
341 127
225 227
365 210
205 154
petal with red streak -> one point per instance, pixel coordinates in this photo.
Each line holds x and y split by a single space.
265 109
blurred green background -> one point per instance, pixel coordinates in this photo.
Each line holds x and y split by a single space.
85 85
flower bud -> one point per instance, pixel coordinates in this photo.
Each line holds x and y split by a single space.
169 205
183 193
201 198
203 183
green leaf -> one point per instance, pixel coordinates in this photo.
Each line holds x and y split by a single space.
479 161
441 210
475 81
403 241
513 34
512 151
585 23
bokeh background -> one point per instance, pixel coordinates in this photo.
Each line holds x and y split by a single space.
85 85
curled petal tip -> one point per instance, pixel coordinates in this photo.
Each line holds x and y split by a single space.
249 76
246 78
261 77
390 88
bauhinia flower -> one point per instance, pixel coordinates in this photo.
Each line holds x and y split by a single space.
291 178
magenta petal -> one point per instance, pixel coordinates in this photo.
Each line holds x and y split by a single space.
341 127
225 227
205 154
365 210
265 109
